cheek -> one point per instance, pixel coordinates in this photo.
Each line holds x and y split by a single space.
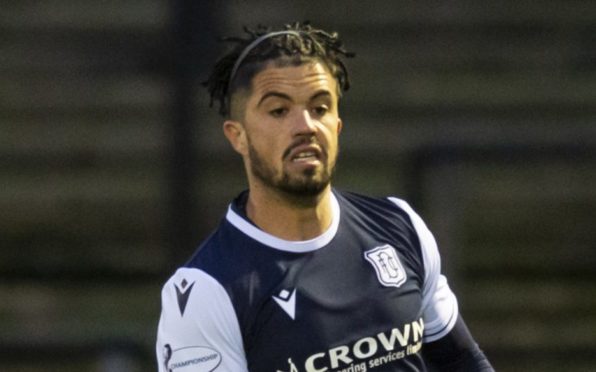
267 146
333 150
332 136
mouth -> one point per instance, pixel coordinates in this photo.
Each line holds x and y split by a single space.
305 154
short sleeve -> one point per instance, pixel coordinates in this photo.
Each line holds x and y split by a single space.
198 328
439 304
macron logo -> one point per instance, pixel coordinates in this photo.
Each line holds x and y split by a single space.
287 301
182 295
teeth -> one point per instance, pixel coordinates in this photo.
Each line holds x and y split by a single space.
305 155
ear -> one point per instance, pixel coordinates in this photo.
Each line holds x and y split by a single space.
236 135
340 125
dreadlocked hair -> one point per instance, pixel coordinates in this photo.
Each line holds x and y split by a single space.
305 43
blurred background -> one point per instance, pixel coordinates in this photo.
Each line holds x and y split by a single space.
113 168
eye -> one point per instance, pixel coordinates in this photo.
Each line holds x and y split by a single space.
320 110
278 112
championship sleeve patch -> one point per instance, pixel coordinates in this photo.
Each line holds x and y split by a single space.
190 358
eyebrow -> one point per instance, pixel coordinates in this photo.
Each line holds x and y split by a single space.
284 96
274 94
320 93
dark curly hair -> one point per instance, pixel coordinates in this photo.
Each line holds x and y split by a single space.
301 43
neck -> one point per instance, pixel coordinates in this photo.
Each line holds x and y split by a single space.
289 217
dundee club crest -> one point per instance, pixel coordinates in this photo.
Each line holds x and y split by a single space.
384 259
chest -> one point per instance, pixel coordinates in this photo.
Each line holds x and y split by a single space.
354 301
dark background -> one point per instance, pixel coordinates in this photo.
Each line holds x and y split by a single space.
481 114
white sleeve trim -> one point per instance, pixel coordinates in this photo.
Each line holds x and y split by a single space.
439 304
207 335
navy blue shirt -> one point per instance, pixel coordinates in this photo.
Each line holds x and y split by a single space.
365 294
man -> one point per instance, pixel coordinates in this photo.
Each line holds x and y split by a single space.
301 277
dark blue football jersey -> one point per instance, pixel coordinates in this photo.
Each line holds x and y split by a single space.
365 295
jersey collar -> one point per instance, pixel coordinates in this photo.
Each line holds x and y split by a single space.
301 246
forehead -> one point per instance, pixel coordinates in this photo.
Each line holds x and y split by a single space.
293 81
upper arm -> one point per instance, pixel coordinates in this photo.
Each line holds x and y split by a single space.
449 344
439 304
198 324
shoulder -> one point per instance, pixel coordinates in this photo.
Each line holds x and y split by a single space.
388 211
372 204
396 216
201 288
222 255
387 205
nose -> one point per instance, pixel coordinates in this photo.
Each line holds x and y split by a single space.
304 123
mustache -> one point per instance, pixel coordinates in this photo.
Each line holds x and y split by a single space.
303 141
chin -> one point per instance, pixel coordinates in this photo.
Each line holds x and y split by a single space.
305 187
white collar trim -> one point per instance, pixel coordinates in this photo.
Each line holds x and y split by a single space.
301 246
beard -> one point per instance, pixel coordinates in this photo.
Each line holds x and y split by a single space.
308 183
